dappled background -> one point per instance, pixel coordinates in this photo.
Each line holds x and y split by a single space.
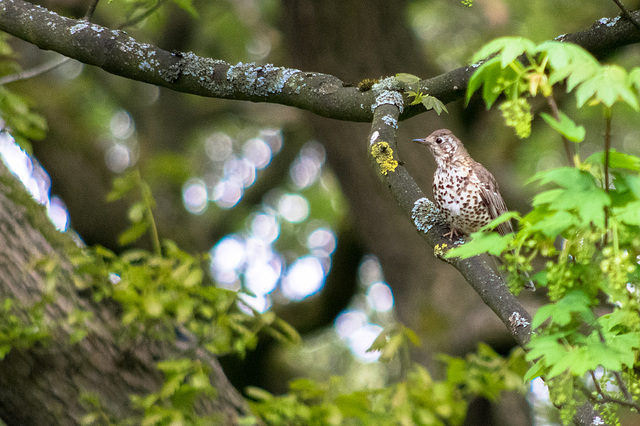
285 202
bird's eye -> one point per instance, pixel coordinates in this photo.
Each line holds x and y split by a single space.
438 140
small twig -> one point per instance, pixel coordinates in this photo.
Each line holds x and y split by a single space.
607 149
52 64
565 141
35 71
623 388
596 383
92 8
604 398
55 63
620 382
627 14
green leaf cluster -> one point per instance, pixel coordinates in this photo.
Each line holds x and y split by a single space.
394 340
19 119
560 348
428 101
167 291
16 113
419 400
161 293
592 322
518 69
186 382
20 332
140 212
584 226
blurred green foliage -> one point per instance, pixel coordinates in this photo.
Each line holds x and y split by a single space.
168 289
417 400
592 209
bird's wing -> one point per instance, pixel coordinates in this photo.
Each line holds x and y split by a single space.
490 194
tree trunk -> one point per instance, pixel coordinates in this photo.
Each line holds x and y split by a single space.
44 383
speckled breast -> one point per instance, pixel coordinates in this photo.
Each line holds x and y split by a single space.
455 192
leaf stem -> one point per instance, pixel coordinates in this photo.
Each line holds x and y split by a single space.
565 142
149 203
607 149
155 239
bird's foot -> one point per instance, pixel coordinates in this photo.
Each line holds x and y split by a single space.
452 234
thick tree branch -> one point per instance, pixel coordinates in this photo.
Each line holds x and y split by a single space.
605 35
323 94
116 52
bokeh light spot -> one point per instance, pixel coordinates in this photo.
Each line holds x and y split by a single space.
58 213
122 125
70 69
266 227
259 303
307 167
219 146
262 277
322 242
293 207
258 152
227 193
370 271
259 47
303 278
273 137
380 297
227 257
194 195
35 179
118 158
349 321
361 340
240 170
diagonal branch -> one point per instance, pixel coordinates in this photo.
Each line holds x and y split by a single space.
323 94
476 270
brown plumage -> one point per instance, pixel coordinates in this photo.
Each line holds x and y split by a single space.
463 189
466 192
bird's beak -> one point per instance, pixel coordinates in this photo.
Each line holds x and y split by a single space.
422 141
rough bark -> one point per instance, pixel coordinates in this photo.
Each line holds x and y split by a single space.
43 384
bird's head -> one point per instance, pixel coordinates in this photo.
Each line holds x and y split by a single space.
444 145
